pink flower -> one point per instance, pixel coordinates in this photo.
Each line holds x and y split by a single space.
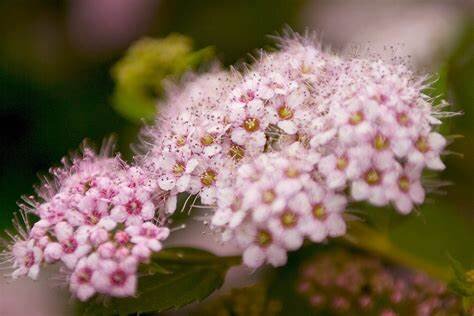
175 171
355 120
116 278
52 211
405 188
207 137
338 167
249 122
207 175
229 209
371 183
133 206
80 282
92 210
325 216
287 225
426 150
27 259
73 245
260 247
148 234
285 110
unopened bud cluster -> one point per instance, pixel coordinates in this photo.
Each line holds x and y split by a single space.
343 283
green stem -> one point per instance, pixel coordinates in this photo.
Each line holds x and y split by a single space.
364 237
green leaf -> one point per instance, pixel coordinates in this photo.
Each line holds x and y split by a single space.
177 276
462 282
420 241
140 73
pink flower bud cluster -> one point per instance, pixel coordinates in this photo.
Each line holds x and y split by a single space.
97 216
344 283
280 149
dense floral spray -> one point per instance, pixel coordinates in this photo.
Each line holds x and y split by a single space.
276 152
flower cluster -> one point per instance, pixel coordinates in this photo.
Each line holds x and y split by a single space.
276 151
343 283
97 215
280 149
276 202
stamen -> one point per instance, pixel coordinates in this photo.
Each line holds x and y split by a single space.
208 177
372 177
251 124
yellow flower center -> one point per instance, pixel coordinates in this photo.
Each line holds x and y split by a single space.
341 163
207 140
208 177
268 196
251 124
422 144
404 183
319 211
305 69
237 152
285 113
292 172
356 118
372 177
403 119
180 141
288 219
264 238
178 169
380 142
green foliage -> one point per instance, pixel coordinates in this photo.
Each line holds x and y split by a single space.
421 240
462 283
139 74
174 278
248 301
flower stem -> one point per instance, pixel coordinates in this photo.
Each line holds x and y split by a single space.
364 237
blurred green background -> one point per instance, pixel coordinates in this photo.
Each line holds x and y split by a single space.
56 86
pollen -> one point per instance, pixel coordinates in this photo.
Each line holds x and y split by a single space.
264 239
292 172
251 124
422 144
404 183
180 141
285 113
208 177
319 211
403 119
341 163
178 169
268 196
237 152
372 177
305 68
207 140
288 219
380 142
356 118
